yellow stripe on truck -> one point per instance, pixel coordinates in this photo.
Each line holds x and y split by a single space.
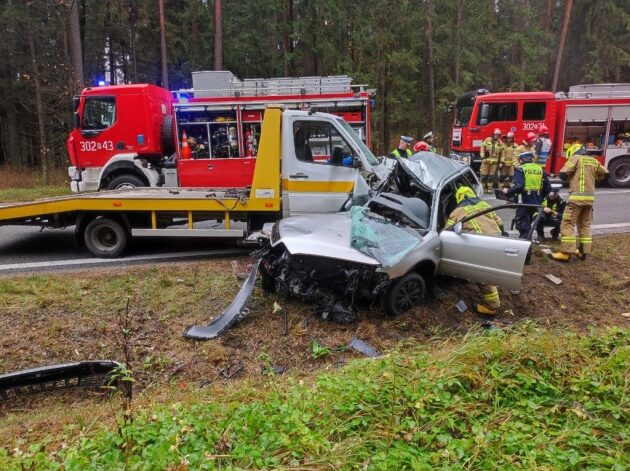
317 187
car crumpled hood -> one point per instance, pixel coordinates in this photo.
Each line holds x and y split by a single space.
321 235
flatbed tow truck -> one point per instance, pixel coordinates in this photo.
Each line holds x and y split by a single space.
287 181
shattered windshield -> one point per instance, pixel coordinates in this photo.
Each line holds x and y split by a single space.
380 239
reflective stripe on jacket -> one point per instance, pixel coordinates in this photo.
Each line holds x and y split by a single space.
487 224
492 150
396 153
583 171
533 177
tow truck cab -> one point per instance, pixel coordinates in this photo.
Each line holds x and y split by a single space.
119 130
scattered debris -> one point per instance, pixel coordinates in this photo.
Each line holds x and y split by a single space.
509 312
515 292
234 312
90 374
547 252
240 271
554 279
230 370
365 348
626 315
461 306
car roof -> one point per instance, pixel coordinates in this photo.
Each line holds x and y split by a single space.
436 167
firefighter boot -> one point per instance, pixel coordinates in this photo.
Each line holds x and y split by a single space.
580 253
560 256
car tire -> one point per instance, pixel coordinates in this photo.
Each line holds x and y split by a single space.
406 292
267 282
125 182
105 238
619 173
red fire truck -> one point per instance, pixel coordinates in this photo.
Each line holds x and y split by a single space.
598 116
131 135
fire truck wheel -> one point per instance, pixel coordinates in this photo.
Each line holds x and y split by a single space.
124 182
105 238
168 141
619 173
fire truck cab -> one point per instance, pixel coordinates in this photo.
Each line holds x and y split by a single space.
132 135
598 116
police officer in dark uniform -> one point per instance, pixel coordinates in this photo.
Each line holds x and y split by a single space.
553 207
531 182
403 151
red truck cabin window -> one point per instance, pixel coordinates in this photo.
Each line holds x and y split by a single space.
99 113
498 112
534 111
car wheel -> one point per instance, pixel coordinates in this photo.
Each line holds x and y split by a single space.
619 175
406 292
125 182
105 238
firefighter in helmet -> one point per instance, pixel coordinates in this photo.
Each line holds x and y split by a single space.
421 146
491 154
581 171
542 145
510 158
488 224
403 150
526 146
429 139
531 182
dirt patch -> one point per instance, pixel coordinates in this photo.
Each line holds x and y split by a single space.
48 319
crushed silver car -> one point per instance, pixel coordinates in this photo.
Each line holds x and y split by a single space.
389 249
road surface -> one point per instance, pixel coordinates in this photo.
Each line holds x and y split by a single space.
29 249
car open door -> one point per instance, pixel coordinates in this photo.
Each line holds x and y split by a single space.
494 260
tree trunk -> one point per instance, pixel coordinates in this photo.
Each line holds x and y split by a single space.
43 147
457 60
132 33
287 37
163 44
74 27
563 36
218 36
430 66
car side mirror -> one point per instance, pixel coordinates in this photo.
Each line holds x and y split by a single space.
483 121
77 120
458 228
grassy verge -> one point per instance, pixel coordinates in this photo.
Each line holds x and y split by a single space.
28 194
528 398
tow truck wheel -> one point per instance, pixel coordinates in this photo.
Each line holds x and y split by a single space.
619 175
125 182
105 238
407 292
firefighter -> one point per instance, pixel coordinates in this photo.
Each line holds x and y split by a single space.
543 145
403 150
421 146
581 171
429 139
491 154
531 182
510 158
488 224
553 207
526 146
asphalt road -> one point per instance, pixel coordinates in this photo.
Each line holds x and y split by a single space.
29 249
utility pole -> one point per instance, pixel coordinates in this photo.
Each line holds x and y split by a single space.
75 47
563 38
218 36
163 44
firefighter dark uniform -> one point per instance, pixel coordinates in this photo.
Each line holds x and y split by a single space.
488 224
582 171
491 153
553 208
531 182
403 150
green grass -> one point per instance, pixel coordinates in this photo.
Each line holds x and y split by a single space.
28 194
525 399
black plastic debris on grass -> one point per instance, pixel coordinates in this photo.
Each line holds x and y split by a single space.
91 374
